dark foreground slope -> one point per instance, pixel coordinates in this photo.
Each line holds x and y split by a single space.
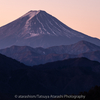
92 94
62 77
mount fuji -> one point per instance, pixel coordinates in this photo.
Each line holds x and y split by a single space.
40 29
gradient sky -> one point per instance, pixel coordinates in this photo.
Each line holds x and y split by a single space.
81 15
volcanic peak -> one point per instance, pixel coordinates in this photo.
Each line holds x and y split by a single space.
32 13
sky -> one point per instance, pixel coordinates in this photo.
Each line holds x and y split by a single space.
81 15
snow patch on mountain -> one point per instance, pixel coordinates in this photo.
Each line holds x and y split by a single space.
41 24
31 13
32 35
55 28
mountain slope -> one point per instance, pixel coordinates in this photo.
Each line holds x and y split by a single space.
40 29
95 55
77 48
8 65
62 77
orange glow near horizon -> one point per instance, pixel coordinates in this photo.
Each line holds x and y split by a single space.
81 15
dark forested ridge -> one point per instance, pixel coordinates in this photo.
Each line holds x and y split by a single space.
61 77
92 94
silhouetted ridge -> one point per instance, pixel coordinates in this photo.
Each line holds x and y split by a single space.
61 77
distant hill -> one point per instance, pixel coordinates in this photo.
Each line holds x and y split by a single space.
77 48
94 55
35 56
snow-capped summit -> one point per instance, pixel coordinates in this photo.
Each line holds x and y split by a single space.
31 13
47 24
40 29
39 22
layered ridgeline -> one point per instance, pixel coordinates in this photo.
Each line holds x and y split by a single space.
34 56
40 29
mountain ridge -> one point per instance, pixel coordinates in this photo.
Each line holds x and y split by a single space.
60 77
34 56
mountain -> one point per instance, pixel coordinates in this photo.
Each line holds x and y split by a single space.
35 56
40 29
77 48
61 77
95 55
8 65
92 94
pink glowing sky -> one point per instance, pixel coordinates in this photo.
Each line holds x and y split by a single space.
81 15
